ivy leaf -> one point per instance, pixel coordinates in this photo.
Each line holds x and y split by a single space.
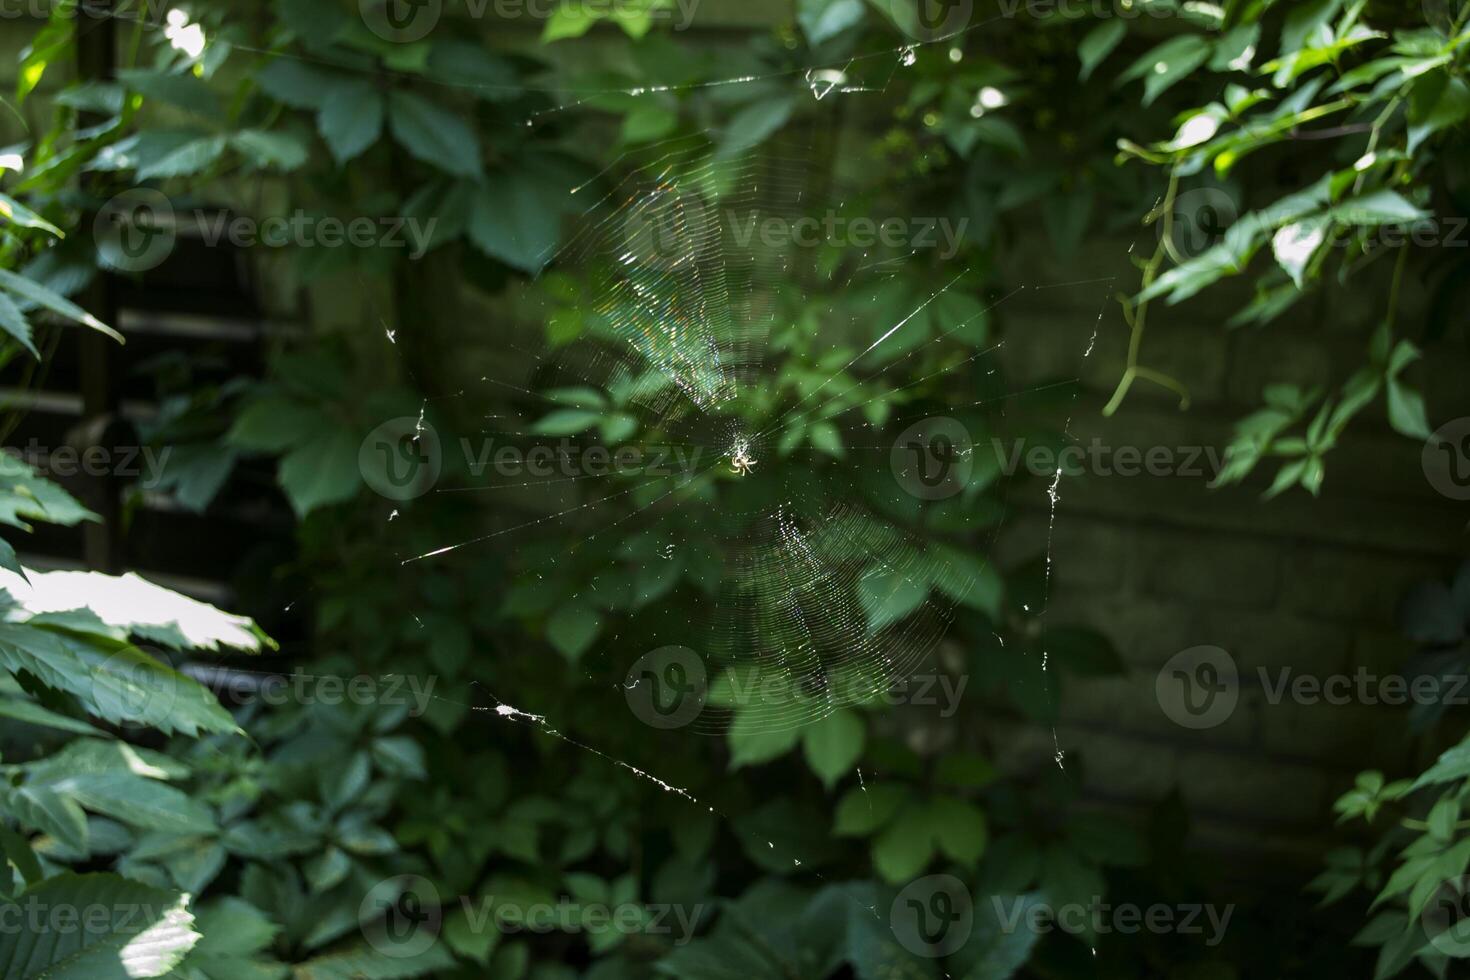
833 745
351 118
433 134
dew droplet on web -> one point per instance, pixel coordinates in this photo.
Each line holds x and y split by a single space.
822 81
907 55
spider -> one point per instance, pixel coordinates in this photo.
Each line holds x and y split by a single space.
741 461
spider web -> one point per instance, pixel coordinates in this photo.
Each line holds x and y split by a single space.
685 310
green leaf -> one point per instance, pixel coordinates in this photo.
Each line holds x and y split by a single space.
903 850
1382 207
13 210
833 745
118 683
321 471
1098 44
1167 64
751 125
191 158
270 150
182 90
18 851
1406 410
31 713
864 809
144 931
13 322
570 20
297 83
33 292
566 422
572 628
433 134
755 738
887 597
351 118
821 20
959 828
516 216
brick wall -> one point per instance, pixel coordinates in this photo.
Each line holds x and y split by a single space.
1162 563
